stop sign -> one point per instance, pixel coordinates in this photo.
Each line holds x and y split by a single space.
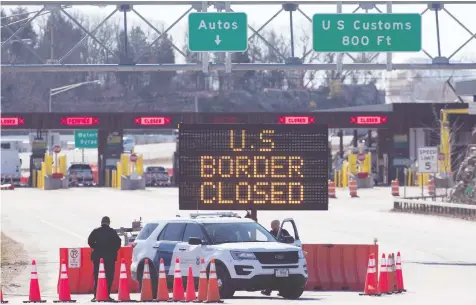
57 149
361 157
133 158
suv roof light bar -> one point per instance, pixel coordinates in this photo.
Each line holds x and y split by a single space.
216 214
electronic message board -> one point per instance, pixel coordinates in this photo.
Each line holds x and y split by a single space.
253 166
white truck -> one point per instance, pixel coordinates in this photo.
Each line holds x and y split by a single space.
10 170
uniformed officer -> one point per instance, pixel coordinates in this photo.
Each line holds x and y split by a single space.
105 243
275 224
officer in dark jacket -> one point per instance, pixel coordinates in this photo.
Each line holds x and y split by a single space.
105 243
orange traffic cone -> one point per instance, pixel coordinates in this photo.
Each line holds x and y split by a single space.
393 275
383 277
213 293
190 295
178 291
123 294
35 295
399 273
1 298
102 294
202 282
371 281
162 290
64 292
146 291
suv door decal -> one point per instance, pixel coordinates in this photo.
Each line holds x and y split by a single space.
165 251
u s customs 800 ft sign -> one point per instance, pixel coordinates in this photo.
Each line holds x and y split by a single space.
253 166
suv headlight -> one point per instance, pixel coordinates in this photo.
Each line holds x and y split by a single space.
301 254
239 255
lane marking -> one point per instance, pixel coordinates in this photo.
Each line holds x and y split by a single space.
46 222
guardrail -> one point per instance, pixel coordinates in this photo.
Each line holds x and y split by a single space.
463 211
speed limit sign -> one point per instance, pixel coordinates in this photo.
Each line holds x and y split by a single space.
428 160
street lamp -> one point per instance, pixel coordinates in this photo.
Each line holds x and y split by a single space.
55 91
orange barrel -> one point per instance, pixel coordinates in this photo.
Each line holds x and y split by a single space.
395 188
332 189
353 188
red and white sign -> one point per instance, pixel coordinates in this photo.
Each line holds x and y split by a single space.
441 157
361 157
79 121
57 149
153 120
12 121
368 120
297 120
133 158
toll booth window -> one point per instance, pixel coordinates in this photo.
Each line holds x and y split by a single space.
147 230
6 146
173 232
192 230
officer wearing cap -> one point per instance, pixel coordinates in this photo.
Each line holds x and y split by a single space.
105 243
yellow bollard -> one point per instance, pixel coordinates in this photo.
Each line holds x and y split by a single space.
33 178
38 179
114 179
352 164
62 165
48 165
140 165
107 178
119 175
124 165
345 174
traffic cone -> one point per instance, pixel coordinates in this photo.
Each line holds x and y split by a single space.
213 293
202 282
383 277
371 285
190 295
393 274
35 295
64 292
178 291
399 274
146 291
123 293
102 294
1 298
162 290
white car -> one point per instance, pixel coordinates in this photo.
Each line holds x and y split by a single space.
247 256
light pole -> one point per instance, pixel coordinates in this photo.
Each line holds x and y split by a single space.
55 91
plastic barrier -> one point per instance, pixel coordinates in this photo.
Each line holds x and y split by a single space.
337 267
80 269
330 267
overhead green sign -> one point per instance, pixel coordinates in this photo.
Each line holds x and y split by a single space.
86 138
217 32
367 32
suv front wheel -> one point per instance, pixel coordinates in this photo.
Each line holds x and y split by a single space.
292 292
224 282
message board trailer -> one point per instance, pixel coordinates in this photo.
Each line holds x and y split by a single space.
253 167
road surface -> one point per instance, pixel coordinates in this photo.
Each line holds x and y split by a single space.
438 253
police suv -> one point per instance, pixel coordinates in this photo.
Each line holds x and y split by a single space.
247 256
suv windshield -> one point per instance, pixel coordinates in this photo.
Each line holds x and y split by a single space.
80 168
221 233
156 169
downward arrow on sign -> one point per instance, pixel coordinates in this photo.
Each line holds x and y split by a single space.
217 40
